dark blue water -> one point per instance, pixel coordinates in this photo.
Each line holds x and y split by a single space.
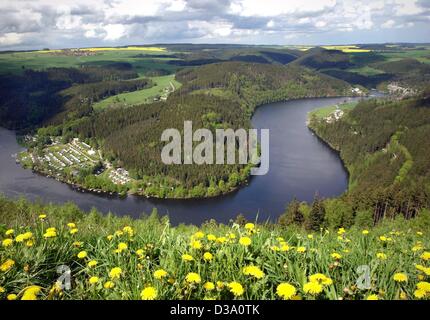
300 166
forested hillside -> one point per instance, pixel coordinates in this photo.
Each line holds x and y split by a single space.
385 147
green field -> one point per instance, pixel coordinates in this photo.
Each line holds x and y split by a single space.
326 111
18 61
140 96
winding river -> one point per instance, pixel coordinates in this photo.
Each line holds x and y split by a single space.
300 166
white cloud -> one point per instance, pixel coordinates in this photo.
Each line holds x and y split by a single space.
11 38
114 31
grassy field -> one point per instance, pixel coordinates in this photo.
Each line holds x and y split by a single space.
119 258
140 96
322 113
18 61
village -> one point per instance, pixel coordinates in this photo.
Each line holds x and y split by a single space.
60 160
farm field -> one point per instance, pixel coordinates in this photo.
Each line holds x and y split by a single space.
322 113
128 99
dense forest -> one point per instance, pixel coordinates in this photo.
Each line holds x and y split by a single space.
35 98
385 146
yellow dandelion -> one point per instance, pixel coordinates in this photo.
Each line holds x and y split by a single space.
71 225
211 237
236 288
207 256
7 242
42 216
31 292
365 232
115 273
198 235
250 226
109 285
73 231
372 297
221 240
301 249
400 277
336 256
193 277
92 263
7 265
425 256
93 280
286 291
381 256
312 288
9 232
209 286
423 285
321 278
420 294
11 296
160 274
245 241
149 293
253 271
341 231
82 254
187 258
196 244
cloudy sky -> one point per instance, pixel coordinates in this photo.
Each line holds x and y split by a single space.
32 24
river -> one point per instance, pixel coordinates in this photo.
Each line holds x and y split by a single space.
300 166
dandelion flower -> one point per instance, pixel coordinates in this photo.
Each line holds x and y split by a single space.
187 257
109 285
310 236
73 231
253 271
115 273
321 278
400 277
285 291
336 256
24 237
198 235
82 254
211 237
301 249
7 242
245 241
160 274
11 296
372 297
221 240
92 263
149 293
7 265
207 256
423 286
93 280
420 294
128 230
77 244
42 216
236 288
313 288
365 232
196 244
381 256
209 286
341 231
193 277
425 256
31 292
71 225
250 226
9 232
50 233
